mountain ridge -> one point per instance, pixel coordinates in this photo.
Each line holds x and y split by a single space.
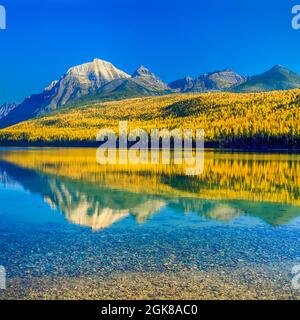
77 82
100 80
276 78
212 81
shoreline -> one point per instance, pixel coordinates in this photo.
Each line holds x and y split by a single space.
242 284
95 145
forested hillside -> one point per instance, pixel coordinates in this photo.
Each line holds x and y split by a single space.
244 120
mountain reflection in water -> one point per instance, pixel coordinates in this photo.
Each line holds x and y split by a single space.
90 195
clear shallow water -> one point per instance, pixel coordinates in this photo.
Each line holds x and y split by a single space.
64 217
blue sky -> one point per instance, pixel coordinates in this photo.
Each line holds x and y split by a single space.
173 38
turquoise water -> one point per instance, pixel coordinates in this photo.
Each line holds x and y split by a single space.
56 226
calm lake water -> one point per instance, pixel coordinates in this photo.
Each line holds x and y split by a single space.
73 229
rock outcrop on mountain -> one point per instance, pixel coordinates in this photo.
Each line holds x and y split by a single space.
147 79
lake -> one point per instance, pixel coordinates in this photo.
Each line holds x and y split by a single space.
73 229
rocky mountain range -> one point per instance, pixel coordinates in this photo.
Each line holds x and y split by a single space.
214 81
101 81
